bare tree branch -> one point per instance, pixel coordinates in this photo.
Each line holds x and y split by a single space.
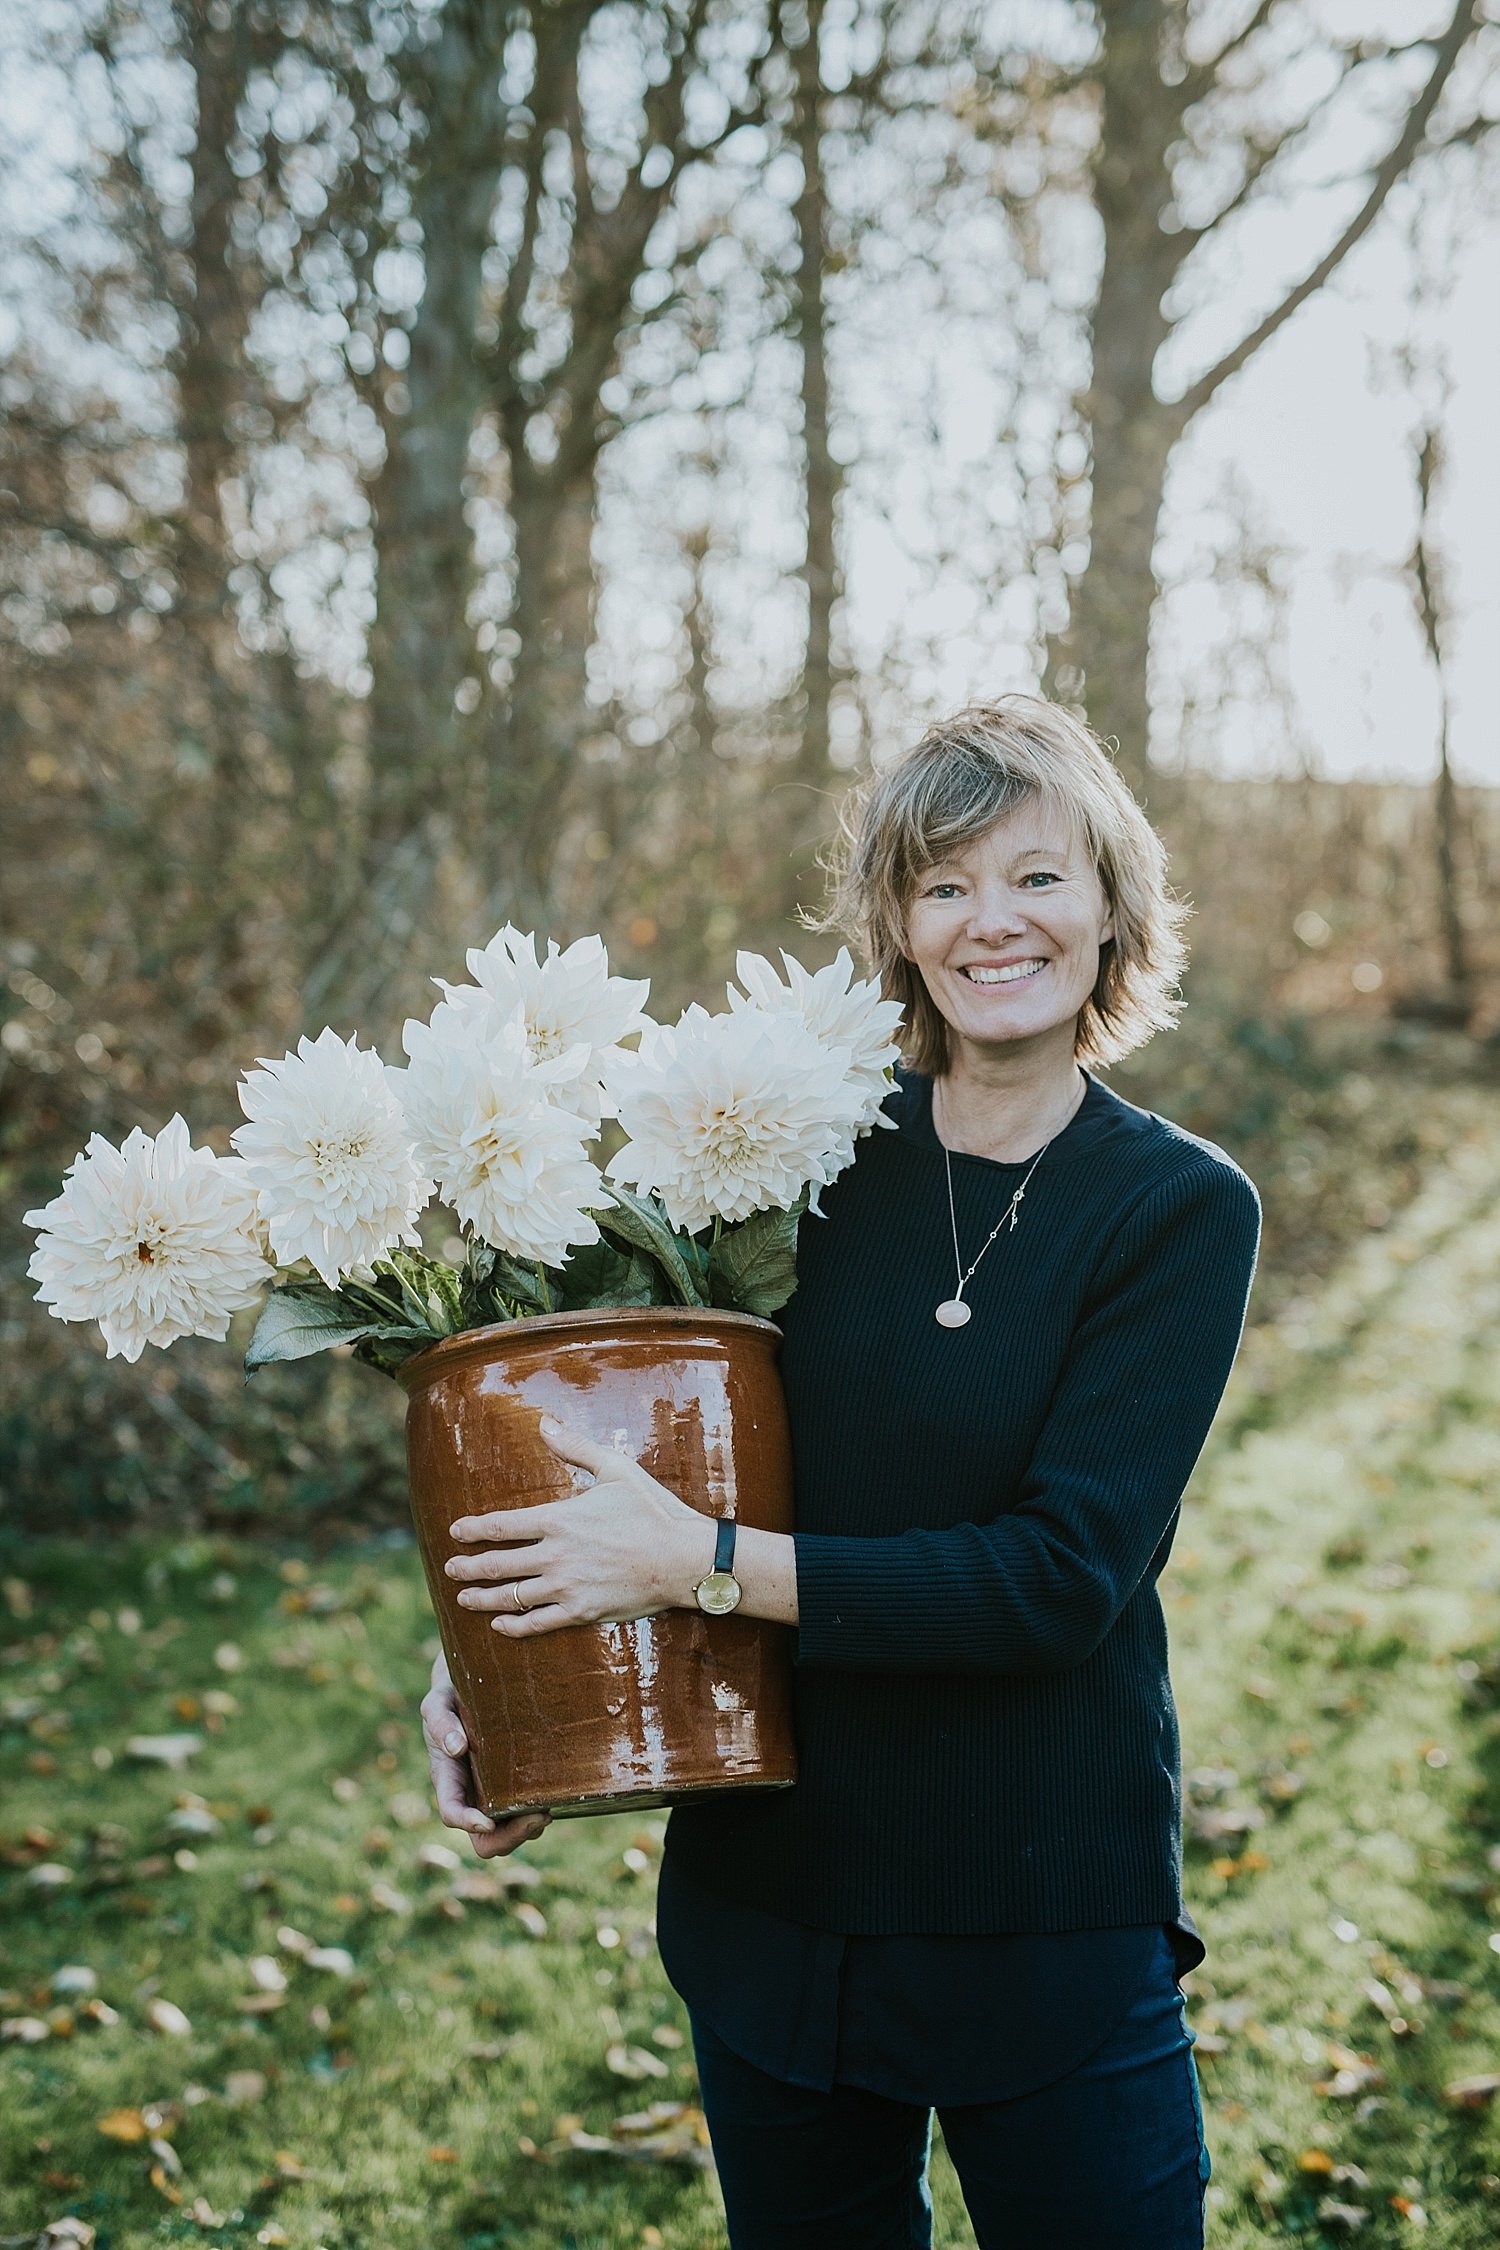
1387 173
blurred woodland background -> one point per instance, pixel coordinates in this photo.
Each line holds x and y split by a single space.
441 440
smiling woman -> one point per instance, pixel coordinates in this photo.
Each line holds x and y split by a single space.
924 835
1012 1326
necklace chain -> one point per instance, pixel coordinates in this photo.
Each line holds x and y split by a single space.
1008 1218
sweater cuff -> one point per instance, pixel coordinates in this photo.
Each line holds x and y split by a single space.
828 1626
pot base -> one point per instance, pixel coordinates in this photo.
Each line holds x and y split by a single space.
580 1808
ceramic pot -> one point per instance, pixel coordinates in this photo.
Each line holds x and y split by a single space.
600 1718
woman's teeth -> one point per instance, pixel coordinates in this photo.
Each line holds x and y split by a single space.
1011 974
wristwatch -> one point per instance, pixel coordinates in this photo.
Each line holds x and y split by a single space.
719 1593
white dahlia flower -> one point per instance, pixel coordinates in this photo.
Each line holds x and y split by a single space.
489 1124
575 1012
154 1240
731 1114
328 1149
844 1013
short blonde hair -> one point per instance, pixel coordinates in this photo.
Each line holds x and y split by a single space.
967 772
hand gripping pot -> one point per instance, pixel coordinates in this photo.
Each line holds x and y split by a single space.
604 1718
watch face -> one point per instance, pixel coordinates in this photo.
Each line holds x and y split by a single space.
718 1593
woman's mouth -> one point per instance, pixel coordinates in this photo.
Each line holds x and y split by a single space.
1013 972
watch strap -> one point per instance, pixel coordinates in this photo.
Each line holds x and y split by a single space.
724 1544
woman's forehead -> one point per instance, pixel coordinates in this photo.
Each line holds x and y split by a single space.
1034 825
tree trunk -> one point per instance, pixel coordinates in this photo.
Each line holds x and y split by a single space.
421 648
535 755
1104 654
810 816
210 372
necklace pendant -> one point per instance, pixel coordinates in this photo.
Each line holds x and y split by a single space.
952 1313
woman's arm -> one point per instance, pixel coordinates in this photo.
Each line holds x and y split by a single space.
1032 1590
1036 1589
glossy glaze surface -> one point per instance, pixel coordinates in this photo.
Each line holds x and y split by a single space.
594 1718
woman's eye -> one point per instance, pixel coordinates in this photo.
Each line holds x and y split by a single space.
1047 874
937 890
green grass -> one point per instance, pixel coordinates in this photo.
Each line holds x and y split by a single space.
1333 1605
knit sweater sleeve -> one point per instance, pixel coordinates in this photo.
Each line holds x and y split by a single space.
1035 1582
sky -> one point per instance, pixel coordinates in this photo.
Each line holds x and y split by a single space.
1307 456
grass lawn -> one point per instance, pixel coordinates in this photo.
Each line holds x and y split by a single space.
258 1997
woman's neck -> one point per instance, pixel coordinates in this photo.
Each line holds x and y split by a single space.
996 1109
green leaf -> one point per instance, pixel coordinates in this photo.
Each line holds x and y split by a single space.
600 1275
754 1266
520 1284
432 1292
304 1318
641 1221
390 1353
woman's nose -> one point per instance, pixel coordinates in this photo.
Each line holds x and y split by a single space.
995 918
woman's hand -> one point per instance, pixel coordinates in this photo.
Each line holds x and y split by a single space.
453 1781
625 1548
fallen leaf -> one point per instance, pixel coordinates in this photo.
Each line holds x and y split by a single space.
167 2018
289 2166
439 1856
1413 2213
408 1810
267 1974
335 1960
27 2031
531 1918
245 2086
50 1876
1473 2093
1352 2073
167 2157
163 2185
667 2035
228 1657
442 2156
124 2125
666 2133
163 1749
66 2234
192 1820
634 2062
388 1900
203 2212
99 2012
1315 2160
73 1980
293 1941
1350 2216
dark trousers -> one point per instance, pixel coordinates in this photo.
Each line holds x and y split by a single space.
1110 2157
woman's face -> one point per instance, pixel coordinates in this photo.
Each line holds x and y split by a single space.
1006 933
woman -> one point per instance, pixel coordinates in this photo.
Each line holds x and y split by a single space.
1011 1331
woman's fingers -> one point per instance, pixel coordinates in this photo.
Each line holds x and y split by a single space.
504 1523
531 1590
510 1835
583 1452
495 1564
543 1617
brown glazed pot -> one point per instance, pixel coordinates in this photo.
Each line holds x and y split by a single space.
603 1718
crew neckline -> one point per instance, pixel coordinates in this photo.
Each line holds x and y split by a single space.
1090 1120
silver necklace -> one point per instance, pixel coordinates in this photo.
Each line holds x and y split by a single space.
953 1312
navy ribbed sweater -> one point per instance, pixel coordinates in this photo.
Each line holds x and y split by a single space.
985 1728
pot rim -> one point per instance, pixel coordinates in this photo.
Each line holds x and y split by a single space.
468 1341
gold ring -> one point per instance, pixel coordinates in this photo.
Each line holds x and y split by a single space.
515 1595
